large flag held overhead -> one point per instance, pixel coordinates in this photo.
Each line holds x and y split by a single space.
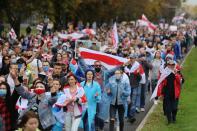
149 24
114 36
74 36
178 18
107 60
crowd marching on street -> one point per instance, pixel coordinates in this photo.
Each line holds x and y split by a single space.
85 76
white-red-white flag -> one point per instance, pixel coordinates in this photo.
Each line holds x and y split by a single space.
137 67
12 34
39 27
178 18
165 72
150 25
107 60
114 36
74 36
89 31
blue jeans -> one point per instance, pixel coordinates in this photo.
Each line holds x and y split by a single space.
135 100
126 109
144 89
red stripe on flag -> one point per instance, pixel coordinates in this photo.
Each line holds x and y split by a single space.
73 61
103 58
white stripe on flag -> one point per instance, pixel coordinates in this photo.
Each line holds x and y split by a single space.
39 27
115 39
164 74
107 60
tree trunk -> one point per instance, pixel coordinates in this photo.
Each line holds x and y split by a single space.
14 22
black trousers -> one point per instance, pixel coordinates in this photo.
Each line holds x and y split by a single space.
170 107
113 109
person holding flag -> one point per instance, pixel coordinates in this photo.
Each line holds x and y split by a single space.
169 86
136 76
104 66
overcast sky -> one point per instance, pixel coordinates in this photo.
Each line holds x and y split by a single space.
192 2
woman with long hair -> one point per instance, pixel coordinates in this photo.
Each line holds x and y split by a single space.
93 94
157 62
59 58
5 106
8 112
5 65
72 101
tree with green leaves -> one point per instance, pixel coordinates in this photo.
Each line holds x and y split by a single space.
61 12
16 11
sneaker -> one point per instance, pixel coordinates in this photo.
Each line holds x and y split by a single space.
169 122
137 110
132 120
142 110
107 121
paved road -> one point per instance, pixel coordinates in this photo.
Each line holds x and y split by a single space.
139 117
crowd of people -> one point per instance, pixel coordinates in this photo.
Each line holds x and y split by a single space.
41 89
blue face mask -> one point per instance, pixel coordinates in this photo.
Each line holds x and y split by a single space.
3 92
20 66
46 68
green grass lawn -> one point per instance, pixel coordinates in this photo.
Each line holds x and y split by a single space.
187 113
33 31
23 30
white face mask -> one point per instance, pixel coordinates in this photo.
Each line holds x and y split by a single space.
13 60
118 76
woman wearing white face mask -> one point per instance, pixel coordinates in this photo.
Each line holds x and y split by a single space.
118 89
